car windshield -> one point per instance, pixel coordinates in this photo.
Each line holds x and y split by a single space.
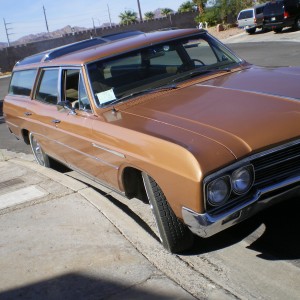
145 70
246 14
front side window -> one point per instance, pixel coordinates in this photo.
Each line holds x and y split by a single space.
73 90
164 64
22 82
47 90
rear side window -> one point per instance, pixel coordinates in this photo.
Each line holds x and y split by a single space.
246 14
47 90
22 82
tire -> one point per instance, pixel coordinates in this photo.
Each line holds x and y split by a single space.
40 156
297 24
251 31
277 30
174 235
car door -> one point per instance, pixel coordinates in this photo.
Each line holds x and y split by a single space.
74 125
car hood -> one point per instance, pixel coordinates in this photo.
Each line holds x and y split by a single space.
245 111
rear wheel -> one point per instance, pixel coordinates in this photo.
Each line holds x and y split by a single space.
277 30
297 24
40 156
174 235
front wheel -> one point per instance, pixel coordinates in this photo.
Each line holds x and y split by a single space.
40 156
174 235
251 30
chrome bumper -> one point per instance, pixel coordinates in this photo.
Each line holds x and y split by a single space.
206 225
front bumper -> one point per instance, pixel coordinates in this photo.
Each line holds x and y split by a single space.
206 225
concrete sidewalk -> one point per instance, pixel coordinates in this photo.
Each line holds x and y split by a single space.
55 242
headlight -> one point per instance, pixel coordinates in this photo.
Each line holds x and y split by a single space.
242 179
219 190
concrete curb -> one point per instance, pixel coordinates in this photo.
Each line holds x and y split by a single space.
195 283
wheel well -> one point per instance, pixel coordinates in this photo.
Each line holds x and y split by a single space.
25 135
134 185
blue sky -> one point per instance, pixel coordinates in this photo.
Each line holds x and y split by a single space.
27 17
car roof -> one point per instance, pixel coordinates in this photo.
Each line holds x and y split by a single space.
86 51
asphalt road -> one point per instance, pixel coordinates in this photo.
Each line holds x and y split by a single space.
259 258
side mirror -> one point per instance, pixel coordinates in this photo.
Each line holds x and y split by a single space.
65 105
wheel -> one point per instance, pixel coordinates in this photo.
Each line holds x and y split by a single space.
251 30
297 24
277 30
174 235
40 156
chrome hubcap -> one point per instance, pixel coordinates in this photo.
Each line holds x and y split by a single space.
37 151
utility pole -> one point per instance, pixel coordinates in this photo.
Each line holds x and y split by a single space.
140 12
45 18
6 30
109 15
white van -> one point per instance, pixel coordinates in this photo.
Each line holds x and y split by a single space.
251 18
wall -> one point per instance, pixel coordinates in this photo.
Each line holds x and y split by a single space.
10 55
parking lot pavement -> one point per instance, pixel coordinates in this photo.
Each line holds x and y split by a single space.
55 243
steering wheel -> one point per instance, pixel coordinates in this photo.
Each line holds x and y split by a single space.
198 60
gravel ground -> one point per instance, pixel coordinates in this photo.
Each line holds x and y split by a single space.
221 35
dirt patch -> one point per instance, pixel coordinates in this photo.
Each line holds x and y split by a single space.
228 32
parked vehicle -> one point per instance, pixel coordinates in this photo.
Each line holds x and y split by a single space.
251 18
280 14
173 118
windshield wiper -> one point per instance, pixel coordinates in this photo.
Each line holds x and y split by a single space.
197 72
145 91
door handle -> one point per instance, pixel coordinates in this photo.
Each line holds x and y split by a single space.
27 113
55 121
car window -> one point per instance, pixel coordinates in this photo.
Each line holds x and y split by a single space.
200 52
22 82
246 14
274 7
154 66
47 90
73 89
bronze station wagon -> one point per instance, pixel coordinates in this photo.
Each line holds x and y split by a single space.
171 117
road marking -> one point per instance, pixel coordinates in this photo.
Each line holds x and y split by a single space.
21 196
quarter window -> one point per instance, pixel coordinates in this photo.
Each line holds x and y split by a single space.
22 82
47 90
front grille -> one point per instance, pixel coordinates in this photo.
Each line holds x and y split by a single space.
277 166
271 167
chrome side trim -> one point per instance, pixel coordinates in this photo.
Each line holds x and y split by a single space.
109 150
249 91
82 153
206 225
11 124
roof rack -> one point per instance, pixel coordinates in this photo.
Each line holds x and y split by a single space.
121 35
60 51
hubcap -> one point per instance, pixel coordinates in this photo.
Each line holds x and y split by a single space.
37 151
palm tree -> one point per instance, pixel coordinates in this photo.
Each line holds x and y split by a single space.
166 11
201 5
187 7
149 15
128 17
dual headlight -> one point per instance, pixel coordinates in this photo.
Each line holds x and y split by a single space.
239 182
